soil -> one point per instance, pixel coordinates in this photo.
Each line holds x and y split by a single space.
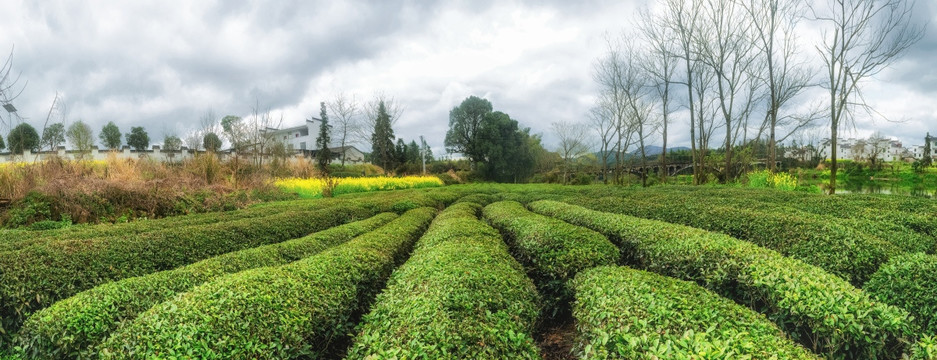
556 339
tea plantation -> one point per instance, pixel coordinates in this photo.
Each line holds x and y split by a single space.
487 272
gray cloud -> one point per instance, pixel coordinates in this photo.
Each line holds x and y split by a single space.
162 64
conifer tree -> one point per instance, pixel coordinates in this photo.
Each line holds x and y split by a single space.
324 156
382 139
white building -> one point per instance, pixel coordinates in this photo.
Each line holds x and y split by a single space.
885 149
302 139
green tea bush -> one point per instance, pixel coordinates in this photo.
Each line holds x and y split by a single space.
925 349
554 250
75 326
302 309
460 295
838 249
35 277
818 309
909 281
631 314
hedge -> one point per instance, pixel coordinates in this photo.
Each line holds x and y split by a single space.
460 296
840 250
36 277
909 281
554 250
74 326
623 313
302 309
818 309
909 232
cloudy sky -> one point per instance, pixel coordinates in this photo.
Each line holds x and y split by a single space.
162 64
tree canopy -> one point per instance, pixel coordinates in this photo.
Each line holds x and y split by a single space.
465 122
23 137
80 136
110 136
211 142
53 135
138 139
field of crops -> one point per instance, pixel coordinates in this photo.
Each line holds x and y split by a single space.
312 188
487 272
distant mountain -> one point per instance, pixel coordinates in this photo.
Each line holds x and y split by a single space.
651 151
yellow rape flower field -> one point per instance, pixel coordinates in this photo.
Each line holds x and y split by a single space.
311 188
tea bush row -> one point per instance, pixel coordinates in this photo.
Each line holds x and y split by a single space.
460 296
838 249
816 308
302 309
36 277
623 313
553 250
75 326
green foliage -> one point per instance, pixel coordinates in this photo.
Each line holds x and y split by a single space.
172 143
461 295
506 152
211 142
80 136
909 281
465 124
33 208
53 135
925 348
814 307
768 179
553 250
324 154
138 139
23 137
630 314
301 309
836 248
3 145
78 324
37 276
382 139
110 136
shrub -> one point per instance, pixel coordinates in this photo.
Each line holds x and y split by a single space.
820 310
630 314
460 295
300 309
37 276
925 349
909 281
77 324
554 250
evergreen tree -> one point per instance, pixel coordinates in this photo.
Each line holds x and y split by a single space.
413 153
401 153
382 139
324 156
926 161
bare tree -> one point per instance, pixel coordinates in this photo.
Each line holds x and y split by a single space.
609 72
861 38
261 126
726 47
786 76
572 144
345 119
9 91
603 122
208 123
661 67
393 107
682 19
